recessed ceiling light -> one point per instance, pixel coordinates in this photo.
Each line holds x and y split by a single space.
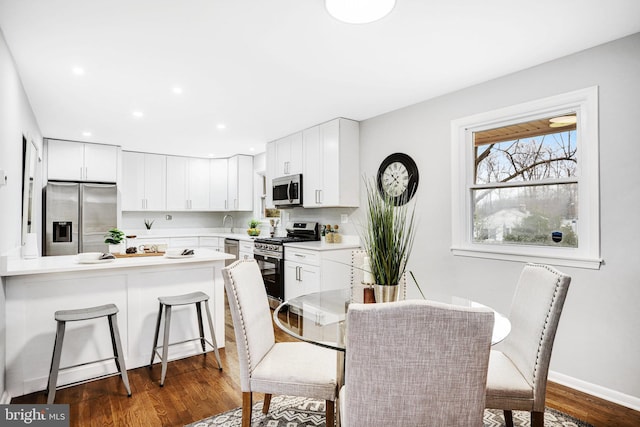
359 11
86 133
252 149
177 90
221 126
138 114
78 71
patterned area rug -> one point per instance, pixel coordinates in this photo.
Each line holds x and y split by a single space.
288 411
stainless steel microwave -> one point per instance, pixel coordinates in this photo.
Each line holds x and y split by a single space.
287 191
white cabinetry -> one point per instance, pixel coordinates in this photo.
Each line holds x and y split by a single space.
176 183
184 242
331 178
288 152
240 183
198 184
218 197
77 161
245 249
308 270
187 183
213 243
301 272
143 181
271 173
284 157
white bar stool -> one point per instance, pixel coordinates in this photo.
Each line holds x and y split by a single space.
196 298
62 316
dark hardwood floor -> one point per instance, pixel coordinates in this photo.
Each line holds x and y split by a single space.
195 389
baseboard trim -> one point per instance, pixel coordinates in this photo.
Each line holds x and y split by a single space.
596 390
6 398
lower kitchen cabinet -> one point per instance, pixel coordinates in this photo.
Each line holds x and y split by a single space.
213 243
308 270
245 249
300 279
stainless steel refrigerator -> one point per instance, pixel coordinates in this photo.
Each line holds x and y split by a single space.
77 216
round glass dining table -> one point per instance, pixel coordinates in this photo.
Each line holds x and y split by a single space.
320 318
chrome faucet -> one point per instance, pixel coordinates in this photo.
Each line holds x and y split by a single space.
224 220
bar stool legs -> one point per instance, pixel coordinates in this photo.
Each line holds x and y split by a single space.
110 311
166 303
55 363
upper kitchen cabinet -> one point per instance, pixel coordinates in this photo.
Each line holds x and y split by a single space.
331 178
218 197
187 183
271 173
240 183
288 153
284 157
77 161
143 181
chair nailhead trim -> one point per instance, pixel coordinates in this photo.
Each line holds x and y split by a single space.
546 321
242 322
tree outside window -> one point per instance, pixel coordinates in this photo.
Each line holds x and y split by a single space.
526 183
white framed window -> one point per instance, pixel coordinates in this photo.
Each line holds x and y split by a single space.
525 182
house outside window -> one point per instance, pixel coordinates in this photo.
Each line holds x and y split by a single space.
525 182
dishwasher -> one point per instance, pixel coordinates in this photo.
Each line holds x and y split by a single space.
231 247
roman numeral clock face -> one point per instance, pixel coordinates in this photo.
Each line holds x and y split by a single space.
398 178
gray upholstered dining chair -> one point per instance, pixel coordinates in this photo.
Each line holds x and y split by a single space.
357 277
415 363
519 365
286 368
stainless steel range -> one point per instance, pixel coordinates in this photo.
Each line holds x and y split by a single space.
269 253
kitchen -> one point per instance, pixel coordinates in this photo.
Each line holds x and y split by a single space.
410 129
83 200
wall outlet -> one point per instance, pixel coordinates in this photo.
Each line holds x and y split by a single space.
344 218
168 217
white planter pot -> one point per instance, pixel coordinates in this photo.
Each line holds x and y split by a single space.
117 249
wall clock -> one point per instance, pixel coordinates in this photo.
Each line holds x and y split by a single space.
398 178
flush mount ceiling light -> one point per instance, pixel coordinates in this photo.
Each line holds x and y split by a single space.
558 122
359 11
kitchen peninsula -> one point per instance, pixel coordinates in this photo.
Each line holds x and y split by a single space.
36 288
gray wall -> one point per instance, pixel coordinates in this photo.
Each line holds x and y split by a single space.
597 347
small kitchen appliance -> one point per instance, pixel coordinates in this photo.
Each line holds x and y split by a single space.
287 191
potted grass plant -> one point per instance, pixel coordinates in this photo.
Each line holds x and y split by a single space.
387 237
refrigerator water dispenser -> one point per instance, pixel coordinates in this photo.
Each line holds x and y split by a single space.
62 231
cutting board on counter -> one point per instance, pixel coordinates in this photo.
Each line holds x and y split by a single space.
138 255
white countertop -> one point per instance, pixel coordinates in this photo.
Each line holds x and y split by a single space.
69 263
171 235
322 246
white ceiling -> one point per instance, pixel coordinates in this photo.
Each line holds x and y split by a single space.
268 68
